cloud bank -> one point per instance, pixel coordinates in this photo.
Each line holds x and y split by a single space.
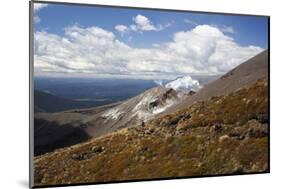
95 52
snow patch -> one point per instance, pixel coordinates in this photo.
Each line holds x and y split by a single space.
185 84
112 113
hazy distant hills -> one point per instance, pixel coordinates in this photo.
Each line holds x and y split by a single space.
60 94
46 102
88 92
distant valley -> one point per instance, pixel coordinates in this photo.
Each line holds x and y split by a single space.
60 94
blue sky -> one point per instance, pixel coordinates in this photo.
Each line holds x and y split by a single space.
155 28
248 30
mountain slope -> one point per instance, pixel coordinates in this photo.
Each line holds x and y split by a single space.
94 122
134 111
154 102
226 134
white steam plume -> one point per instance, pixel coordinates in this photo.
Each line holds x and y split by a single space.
159 82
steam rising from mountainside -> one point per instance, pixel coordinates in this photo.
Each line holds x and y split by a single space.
183 84
159 82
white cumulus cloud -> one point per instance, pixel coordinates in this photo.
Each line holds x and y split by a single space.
141 23
121 28
93 51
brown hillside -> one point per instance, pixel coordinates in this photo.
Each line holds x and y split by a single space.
226 134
